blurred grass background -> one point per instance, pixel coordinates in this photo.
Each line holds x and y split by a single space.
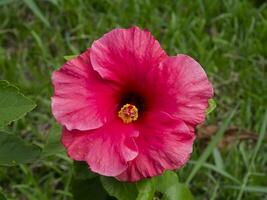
228 38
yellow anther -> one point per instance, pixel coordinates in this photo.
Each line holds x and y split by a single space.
128 113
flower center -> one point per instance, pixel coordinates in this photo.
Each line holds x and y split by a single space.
128 113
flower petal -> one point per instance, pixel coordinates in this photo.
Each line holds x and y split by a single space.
188 89
106 150
164 143
82 99
124 54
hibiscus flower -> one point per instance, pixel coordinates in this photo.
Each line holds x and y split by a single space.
127 108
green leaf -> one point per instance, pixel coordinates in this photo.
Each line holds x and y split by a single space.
69 57
167 179
13 104
53 145
14 150
82 171
36 10
88 189
2 197
146 189
179 191
212 106
168 184
120 190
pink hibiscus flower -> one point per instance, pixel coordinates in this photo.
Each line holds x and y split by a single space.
127 108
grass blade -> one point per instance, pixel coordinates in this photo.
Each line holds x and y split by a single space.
218 159
39 42
218 170
210 147
257 148
36 10
256 189
5 2
261 138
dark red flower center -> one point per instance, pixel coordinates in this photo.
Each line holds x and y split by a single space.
133 98
131 106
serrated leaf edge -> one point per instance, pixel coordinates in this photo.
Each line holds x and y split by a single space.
18 92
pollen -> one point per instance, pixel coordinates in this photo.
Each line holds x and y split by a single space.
128 113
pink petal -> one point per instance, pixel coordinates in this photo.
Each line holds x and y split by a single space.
123 54
82 99
164 143
188 89
106 150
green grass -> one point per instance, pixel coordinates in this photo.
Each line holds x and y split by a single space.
229 39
